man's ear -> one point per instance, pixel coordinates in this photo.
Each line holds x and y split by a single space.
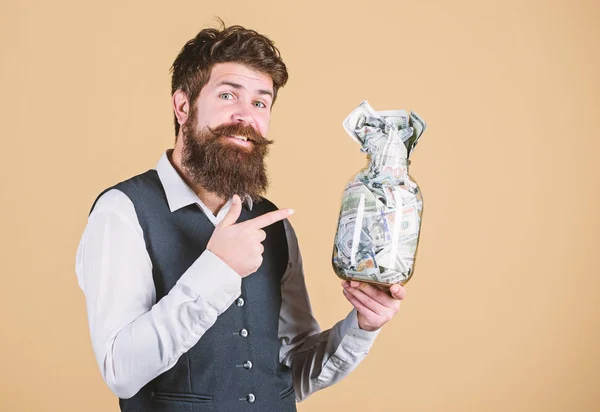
181 106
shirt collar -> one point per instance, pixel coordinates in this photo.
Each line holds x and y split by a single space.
178 193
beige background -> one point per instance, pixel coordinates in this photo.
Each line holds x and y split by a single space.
502 313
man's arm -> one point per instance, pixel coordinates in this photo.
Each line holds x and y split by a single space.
135 338
317 359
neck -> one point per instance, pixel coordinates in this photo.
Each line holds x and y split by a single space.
212 201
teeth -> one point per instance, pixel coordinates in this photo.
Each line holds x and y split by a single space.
245 139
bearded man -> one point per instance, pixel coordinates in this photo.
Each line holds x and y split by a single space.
194 285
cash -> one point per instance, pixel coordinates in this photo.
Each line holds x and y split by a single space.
380 218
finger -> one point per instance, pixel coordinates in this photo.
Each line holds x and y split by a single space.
259 261
268 218
371 290
233 213
358 305
261 235
398 292
368 301
380 296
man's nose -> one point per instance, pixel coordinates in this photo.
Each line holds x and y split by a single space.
242 114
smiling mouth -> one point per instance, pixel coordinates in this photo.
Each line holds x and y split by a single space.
241 138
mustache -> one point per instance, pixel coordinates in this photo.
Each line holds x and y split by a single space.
240 129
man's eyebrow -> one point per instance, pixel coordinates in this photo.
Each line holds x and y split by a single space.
239 86
265 92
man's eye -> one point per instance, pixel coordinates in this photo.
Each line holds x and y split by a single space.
226 96
260 104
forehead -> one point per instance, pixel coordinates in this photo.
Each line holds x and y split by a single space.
239 73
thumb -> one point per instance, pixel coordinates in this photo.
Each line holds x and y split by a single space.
233 213
398 292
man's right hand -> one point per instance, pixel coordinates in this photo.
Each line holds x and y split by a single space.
239 245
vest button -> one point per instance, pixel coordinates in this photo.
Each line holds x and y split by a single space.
251 398
240 302
244 333
247 365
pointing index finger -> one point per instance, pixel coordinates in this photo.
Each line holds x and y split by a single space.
269 218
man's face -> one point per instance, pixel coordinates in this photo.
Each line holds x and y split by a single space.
236 94
223 137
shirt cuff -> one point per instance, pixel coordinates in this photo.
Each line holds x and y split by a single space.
353 336
212 280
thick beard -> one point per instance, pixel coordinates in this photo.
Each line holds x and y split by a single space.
221 167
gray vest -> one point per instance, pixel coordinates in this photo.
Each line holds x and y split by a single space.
235 365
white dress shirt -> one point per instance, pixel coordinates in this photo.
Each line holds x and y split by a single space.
135 338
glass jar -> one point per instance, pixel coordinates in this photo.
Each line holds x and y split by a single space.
380 218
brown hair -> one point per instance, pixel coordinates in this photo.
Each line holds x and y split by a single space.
191 69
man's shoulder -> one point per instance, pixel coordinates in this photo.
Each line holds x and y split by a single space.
264 205
149 177
122 192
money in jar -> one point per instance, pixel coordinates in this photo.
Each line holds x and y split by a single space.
380 217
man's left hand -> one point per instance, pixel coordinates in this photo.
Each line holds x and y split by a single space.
374 306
